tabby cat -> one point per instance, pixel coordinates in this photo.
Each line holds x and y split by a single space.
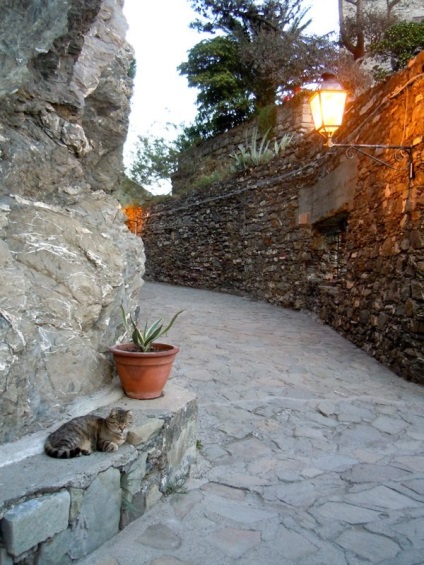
82 435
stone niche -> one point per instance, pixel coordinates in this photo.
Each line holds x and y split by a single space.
67 260
330 195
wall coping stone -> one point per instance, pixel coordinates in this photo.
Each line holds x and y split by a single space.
32 444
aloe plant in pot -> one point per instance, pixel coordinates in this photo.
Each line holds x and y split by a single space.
144 365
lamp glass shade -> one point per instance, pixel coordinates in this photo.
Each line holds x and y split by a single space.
327 108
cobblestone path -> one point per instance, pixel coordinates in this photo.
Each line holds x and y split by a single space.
312 452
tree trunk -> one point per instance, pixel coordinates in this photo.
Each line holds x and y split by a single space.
357 49
390 5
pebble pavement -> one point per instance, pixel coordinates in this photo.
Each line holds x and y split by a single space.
310 451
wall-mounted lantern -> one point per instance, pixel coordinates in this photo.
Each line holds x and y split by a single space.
327 107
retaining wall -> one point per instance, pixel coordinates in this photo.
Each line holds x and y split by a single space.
315 230
293 118
56 511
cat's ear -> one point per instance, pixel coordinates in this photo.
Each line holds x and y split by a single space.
129 413
114 412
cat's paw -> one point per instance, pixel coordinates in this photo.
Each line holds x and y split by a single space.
112 447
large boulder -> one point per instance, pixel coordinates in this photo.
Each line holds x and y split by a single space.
67 260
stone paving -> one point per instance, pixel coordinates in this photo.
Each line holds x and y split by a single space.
311 452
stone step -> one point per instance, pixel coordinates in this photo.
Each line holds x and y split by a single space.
32 444
56 511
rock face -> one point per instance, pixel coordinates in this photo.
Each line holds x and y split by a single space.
67 259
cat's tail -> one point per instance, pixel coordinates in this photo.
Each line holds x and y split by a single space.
63 452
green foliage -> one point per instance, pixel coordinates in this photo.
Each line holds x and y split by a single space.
199 445
365 27
253 154
373 25
214 68
379 73
281 146
144 339
176 487
267 117
261 51
155 159
354 76
245 17
127 503
187 138
132 70
400 42
206 180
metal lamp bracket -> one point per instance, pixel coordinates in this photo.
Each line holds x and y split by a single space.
399 150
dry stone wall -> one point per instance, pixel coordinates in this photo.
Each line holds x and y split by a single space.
56 512
293 119
315 230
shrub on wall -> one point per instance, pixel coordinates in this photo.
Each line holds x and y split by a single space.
267 119
401 42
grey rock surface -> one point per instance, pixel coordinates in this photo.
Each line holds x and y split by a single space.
67 259
35 521
99 514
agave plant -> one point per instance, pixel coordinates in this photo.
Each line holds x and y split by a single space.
144 339
253 155
281 146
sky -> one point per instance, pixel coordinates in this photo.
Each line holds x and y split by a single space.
159 32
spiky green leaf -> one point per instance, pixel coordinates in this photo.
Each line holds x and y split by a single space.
144 339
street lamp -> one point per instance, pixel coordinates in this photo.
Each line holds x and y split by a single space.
327 107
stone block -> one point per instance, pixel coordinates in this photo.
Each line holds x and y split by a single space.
153 496
330 194
417 290
5 558
133 506
131 479
181 442
141 433
184 446
417 239
34 521
99 515
55 551
77 496
160 536
303 218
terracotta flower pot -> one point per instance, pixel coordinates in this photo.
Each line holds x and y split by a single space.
143 375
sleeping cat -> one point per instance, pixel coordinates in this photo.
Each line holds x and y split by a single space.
82 435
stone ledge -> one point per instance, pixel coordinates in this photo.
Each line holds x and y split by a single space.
99 494
32 444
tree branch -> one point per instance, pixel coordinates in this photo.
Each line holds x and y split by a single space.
358 49
390 5
344 38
